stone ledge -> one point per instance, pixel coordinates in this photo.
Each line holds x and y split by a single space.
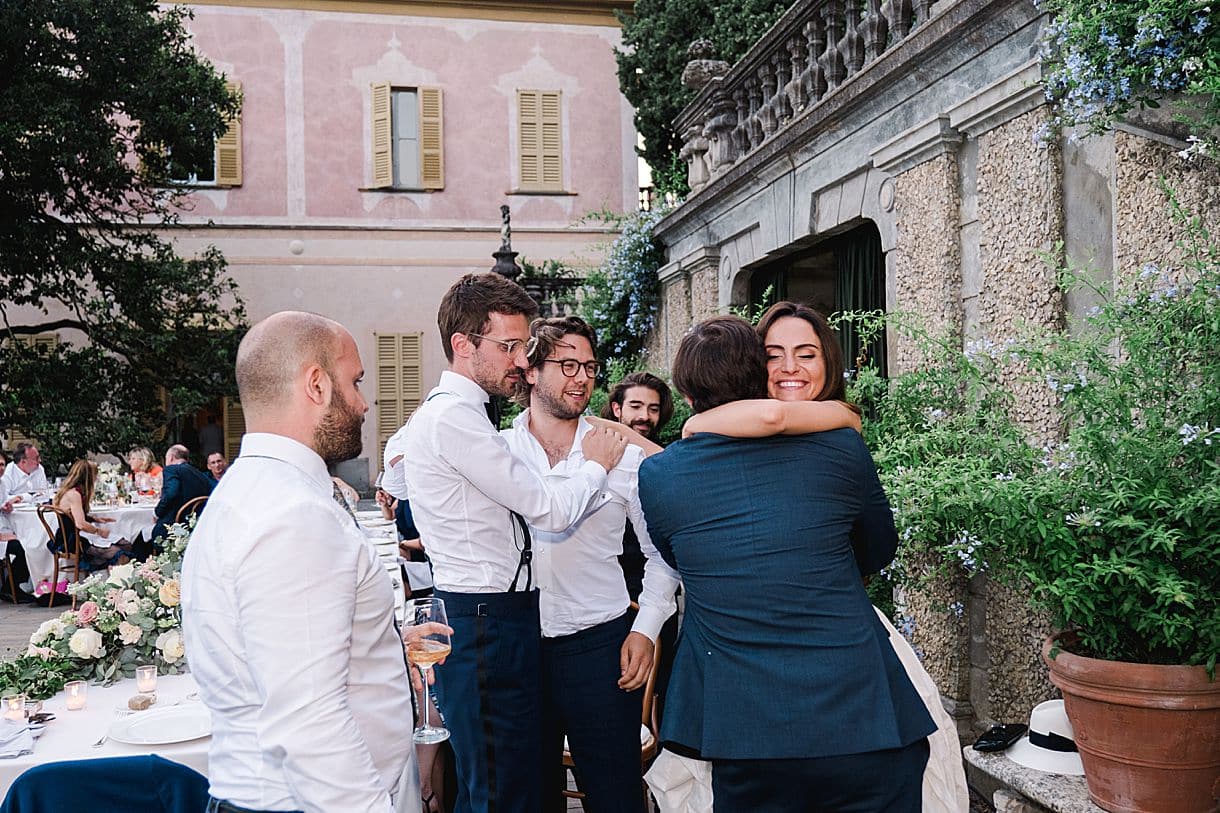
1048 792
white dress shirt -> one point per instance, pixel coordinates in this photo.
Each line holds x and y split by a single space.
17 481
6 522
577 570
290 633
393 475
464 482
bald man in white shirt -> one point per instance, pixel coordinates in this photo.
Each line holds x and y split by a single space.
595 658
288 616
472 499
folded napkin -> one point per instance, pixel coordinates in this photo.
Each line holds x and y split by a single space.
680 784
15 739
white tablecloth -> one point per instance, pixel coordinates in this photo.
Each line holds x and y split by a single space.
129 521
72 733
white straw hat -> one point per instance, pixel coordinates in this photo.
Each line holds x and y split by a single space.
1050 745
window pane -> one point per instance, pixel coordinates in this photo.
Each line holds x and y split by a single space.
405 115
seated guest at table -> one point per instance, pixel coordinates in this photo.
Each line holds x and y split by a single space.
74 496
181 482
144 469
25 475
311 707
217 465
784 677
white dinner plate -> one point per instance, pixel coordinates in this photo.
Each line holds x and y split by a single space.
163 726
369 513
376 523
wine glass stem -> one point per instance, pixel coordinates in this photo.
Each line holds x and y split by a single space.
424 700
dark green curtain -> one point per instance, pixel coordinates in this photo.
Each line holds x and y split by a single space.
861 287
774 278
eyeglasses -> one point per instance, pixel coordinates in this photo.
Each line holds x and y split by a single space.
569 367
510 347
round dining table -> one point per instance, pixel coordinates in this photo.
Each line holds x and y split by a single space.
73 734
129 522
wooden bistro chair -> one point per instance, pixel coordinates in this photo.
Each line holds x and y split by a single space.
648 724
68 559
193 506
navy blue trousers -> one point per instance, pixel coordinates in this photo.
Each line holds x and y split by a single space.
489 691
888 781
581 698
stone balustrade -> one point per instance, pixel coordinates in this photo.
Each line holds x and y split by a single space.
813 49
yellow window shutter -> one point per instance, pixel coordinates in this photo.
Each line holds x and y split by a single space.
552 142
529 146
383 150
228 149
399 382
234 427
431 139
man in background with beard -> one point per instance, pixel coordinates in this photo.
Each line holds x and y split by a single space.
288 619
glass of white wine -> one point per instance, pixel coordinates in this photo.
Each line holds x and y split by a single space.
424 650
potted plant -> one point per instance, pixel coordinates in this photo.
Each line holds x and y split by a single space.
1115 525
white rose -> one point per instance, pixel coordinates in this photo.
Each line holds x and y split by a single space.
171 645
129 633
128 603
120 573
86 643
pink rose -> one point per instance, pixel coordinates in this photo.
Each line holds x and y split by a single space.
87 613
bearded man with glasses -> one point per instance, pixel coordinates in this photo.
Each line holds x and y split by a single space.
474 501
594 658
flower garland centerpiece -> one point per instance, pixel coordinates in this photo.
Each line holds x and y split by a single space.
130 616
113 484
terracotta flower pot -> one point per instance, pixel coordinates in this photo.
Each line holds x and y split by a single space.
1149 736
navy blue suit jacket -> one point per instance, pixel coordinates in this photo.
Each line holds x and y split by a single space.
180 483
781 655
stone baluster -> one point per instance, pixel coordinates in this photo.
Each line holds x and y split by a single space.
851 45
768 113
741 132
797 98
876 30
694 153
832 58
923 10
898 14
783 108
720 133
754 95
814 78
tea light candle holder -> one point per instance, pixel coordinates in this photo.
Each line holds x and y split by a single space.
146 679
76 691
13 706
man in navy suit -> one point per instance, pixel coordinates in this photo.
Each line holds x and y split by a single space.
784 677
180 483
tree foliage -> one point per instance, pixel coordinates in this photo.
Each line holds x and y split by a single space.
97 97
656 35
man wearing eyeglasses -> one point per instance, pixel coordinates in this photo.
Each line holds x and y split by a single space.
594 658
472 501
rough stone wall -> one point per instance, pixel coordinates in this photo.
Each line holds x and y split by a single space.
928 288
928 269
676 304
704 293
1020 212
1144 228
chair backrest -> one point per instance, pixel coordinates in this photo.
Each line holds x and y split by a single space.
142 784
67 532
192 506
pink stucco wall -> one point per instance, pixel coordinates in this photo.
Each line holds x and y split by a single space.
306 77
